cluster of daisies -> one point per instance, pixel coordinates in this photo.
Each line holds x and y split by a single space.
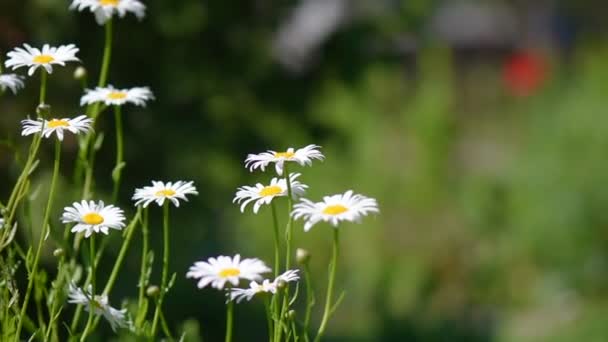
333 209
89 217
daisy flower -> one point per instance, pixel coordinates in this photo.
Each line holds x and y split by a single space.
160 191
99 304
262 194
226 269
334 209
265 287
117 97
105 9
93 217
12 82
76 125
35 58
302 156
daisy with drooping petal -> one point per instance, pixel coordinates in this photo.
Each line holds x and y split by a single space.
93 217
105 9
265 287
160 191
99 304
79 124
262 194
34 58
226 269
11 81
117 97
302 156
333 209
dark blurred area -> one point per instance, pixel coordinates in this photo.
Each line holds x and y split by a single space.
480 127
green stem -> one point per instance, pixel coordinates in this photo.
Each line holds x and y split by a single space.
43 233
268 318
93 291
43 76
116 173
229 319
277 256
144 262
163 281
122 253
288 229
330 287
310 300
107 54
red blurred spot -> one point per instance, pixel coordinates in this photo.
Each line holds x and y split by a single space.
524 73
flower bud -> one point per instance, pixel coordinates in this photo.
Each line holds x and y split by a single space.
59 252
43 110
281 284
291 314
302 256
80 73
152 291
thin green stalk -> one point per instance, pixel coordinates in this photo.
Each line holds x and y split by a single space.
289 219
43 233
229 319
288 233
163 281
87 327
310 300
107 54
277 255
119 260
116 173
42 86
122 253
55 301
268 318
93 110
144 263
330 287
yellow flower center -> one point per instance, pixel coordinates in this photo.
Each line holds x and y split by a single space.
92 218
229 272
43 59
117 95
58 123
270 190
286 155
109 2
335 209
165 193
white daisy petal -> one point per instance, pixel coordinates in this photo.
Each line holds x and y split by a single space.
160 191
111 96
34 58
225 269
105 9
333 209
91 217
11 81
302 156
79 124
266 286
265 194
100 306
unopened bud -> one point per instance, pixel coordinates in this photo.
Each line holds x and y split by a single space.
59 252
80 73
281 284
302 256
152 291
43 110
291 314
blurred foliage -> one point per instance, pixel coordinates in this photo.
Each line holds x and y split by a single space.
494 223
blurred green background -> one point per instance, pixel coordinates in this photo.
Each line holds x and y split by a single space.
479 126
